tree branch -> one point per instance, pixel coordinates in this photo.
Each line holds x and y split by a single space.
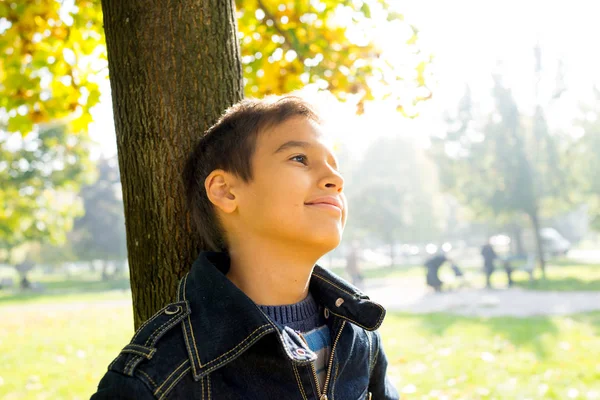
290 42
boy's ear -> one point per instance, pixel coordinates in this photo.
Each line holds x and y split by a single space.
219 185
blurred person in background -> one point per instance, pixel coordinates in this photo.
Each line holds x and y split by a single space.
459 274
489 255
508 268
433 265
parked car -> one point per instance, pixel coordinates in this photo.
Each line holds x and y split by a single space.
554 244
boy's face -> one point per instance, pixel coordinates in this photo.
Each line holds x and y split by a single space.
295 181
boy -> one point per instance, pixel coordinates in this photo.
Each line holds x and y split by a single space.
256 318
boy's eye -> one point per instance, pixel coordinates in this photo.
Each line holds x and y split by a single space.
300 158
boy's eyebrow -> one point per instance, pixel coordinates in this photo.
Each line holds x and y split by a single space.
292 143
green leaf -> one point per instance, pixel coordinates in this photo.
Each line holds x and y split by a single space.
20 123
366 10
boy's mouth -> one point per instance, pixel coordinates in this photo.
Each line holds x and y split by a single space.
329 202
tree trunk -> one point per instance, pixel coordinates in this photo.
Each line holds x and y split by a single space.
23 268
518 248
24 282
535 223
174 67
105 276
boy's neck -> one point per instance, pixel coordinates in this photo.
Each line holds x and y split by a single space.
271 274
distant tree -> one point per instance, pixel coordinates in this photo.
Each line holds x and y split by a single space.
507 166
23 268
45 254
100 233
40 176
390 196
584 156
376 212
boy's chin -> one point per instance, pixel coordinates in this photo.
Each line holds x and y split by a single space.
326 243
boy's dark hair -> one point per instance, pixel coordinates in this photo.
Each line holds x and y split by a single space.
229 145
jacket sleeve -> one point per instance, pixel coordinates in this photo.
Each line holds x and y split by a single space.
380 386
121 387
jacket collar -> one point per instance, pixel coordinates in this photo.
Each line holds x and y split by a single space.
224 322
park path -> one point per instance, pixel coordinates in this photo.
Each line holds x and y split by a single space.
410 295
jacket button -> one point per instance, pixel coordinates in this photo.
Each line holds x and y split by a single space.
326 313
172 310
339 302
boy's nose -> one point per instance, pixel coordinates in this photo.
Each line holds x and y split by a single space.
333 180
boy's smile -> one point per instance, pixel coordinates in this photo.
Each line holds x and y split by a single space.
296 191
331 203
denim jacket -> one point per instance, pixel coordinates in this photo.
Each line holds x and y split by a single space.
215 343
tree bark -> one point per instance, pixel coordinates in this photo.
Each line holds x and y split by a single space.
174 67
535 223
517 240
105 275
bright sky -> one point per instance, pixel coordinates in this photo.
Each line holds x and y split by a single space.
468 38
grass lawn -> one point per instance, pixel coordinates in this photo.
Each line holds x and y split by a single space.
447 357
57 287
566 278
59 349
